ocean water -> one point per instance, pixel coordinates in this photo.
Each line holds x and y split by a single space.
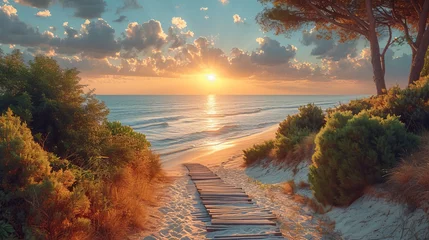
175 124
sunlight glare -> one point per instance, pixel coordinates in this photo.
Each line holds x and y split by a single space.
211 77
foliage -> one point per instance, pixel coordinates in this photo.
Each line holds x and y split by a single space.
294 138
6 230
36 202
98 177
353 152
411 105
408 181
296 127
52 102
258 152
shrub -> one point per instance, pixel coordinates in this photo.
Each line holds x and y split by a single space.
411 105
310 118
35 201
110 176
297 127
353 152
257 153
355 106
409 181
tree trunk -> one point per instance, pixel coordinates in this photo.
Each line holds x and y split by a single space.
418 60
376 60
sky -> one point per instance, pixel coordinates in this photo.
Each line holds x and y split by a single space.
188 47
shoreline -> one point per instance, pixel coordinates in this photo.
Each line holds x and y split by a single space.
212 155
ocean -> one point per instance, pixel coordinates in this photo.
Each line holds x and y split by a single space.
176 124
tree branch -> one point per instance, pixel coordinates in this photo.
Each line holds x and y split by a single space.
322 14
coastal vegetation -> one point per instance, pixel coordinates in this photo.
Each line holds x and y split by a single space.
365 142
66 172
294 138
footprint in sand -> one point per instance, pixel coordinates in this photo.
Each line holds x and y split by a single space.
178 222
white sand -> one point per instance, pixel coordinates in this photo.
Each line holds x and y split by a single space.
367 218
176 219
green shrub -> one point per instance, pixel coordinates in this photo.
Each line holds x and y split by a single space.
109 178
35 201
296 127
258 152
355 106
411 105
353 152
309 117
286 145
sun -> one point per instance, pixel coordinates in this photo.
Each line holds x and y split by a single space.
211 77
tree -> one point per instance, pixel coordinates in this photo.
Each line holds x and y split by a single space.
348 19
411 17
52 102
425 70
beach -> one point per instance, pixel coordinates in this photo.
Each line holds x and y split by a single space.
215 155
296 216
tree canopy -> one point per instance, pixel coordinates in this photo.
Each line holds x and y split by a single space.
350 20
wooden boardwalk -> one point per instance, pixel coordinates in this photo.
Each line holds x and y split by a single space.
229 207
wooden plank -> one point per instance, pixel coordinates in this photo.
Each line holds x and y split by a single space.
229 206
242 222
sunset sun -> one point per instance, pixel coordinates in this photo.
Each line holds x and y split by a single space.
211 77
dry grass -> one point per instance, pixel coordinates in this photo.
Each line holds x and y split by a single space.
289 187
309 202
130 194
409 182
302 152
303 185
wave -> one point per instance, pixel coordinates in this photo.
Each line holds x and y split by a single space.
145 122
236 113
200 135
219 131
177 151
155 125
266 124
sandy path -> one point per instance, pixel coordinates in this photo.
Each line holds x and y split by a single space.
297 221
176 221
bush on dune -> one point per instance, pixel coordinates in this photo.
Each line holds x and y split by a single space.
294 138
411 105
34 200
109 178
409 181
295 128
353 152
257 153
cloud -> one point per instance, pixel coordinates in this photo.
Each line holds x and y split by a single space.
36 3
270 52
328 48
224 2
204 8
178 38
9 10
178 22
86 9
120 19
44 13
95 39
14 31
237 18
128 5
144 37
